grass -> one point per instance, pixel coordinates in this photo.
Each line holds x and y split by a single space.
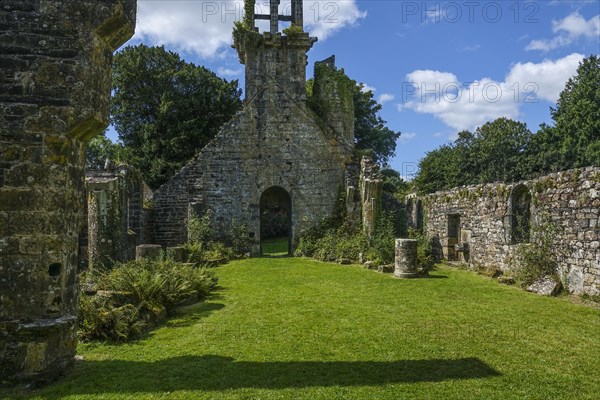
289 328
275 247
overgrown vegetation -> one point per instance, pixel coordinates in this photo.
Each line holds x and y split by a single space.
204 248
332 241
538 258
122 302
371 134
425 259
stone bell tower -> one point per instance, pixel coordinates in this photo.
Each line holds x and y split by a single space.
277 167
275 61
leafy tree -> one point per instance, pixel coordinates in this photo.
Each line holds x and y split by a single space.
99 149
370 130
495 152
438 170
499 150
165 110
577 117
393 182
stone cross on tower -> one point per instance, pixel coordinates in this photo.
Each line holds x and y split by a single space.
274 17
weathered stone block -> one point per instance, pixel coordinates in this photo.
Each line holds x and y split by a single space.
386 269
150 251
546 286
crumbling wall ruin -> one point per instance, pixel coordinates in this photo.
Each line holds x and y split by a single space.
483 224
116 214
370 194
54 86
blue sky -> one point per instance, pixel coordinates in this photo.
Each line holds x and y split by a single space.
436 66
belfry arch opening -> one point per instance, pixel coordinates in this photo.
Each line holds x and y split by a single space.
275 222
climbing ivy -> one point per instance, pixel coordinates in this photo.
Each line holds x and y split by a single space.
330 77
244 34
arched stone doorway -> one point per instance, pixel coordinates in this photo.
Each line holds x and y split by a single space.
275 222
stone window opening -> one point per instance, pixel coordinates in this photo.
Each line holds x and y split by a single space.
453 236
520 215
419 215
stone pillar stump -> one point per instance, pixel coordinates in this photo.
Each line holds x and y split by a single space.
406 258
152 251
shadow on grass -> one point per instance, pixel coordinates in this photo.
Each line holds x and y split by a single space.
435 277
212 372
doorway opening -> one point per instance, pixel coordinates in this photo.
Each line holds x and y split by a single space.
275 222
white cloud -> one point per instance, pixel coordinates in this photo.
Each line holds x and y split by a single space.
548 77
226 72
473 47
204 27
576 25
366 88
549 44
568 29
322 18
431 78
385 97
407 137
469 105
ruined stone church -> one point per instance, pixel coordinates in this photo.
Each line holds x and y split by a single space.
276 156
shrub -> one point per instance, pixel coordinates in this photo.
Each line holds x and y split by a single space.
425 258
240 243
540 257
382 246
137 289
208 254
98 319
199 228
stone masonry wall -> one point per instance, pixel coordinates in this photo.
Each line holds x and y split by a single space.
571 199
275 141
54 92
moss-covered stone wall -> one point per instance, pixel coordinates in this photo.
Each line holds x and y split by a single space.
54 86
569 199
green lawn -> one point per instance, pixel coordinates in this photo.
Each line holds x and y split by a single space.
289 328
275 247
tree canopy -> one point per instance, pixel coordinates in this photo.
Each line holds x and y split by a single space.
99 149
577 117
165 109
370 130
493 153
506 151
